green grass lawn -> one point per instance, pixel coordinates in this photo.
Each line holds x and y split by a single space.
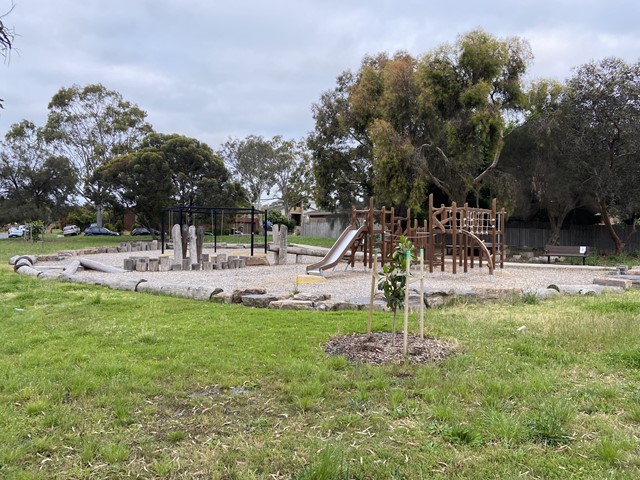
97 383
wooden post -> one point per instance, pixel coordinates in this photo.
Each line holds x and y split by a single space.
374 280
383 240
406 306
454 236
422 293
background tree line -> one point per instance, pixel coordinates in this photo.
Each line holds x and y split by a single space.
459 121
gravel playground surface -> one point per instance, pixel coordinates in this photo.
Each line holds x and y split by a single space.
342 284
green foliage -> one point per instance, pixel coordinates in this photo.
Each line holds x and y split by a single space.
401 123
90 126
169 170
392 280
83 216
34 181
35 230
279 218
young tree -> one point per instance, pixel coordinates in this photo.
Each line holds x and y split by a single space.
393 280
90 126
34 181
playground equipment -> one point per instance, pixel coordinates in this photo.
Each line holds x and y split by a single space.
462 233
213 218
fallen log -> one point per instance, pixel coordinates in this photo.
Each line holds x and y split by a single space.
130 285
72 268
27 270
184 291
99 267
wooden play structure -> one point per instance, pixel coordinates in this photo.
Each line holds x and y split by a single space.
464 234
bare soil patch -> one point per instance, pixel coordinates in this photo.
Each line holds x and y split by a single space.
378 348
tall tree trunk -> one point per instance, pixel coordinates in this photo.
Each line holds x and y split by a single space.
99 215
619 245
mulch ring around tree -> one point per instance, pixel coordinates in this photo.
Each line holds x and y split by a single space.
378 348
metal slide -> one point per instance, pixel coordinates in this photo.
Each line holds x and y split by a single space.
346 241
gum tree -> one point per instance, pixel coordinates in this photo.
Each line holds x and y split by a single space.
604 98
90 126
35 183
401 123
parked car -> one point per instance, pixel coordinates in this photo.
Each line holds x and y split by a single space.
71 230
144 231
95 230
17 231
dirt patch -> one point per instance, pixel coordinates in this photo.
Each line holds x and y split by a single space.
378 348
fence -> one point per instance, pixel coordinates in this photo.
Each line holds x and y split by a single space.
517 234
520 234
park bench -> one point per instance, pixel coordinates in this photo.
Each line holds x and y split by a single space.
566 251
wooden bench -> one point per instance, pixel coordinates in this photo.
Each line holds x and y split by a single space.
564 251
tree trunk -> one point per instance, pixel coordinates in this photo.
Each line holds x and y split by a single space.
99 215
619 245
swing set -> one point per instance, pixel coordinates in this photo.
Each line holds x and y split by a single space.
237 220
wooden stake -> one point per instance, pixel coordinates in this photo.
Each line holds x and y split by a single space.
406 307
373 289
422 293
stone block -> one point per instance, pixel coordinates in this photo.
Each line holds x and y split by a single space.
154 264
236 296
257 300
176 267
142 265
291 305
613 282
257 261
129 264
319 297
186 264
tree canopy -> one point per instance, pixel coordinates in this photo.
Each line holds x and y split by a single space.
402 123
604 98
169 170
90 126
35 184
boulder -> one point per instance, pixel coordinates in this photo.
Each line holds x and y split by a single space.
236 296
291 305
257 261
258 301
311 297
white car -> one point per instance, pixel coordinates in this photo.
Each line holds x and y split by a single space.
71 230
17 231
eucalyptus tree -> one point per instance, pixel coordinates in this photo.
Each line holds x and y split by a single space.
169 170
291 172
605 118
35 183
543 158
92 125
250 160
401 124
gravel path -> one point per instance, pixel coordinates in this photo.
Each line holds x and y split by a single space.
341 284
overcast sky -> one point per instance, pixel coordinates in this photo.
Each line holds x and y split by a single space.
212 69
